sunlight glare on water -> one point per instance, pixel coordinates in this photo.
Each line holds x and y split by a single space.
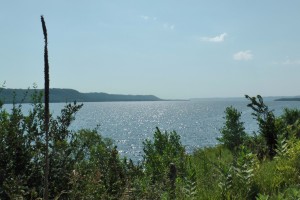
130 123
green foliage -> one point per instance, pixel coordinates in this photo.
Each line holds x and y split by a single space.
190 188
165 149
266 122
287 165
82 164
289 123
164 160
289 193
244 169
262 197
23 147
290 116
186 187
233 133
98 172
257 144
266 178
206 170
277 178
236 179
15 152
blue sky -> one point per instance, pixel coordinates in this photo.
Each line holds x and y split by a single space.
172 49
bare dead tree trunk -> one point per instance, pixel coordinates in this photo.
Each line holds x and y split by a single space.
46 96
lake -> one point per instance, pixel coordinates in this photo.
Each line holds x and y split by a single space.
129 123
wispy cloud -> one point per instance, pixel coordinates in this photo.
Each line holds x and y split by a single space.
147 18
169 26
243 55
144 17
288 61
166 26
218 38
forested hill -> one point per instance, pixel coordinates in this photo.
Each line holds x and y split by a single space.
289 99
69 95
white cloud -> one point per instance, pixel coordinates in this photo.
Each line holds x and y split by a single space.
288 61
218 38
169 26
243 55
146 18
149 19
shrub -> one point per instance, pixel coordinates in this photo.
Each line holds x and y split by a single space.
266 121
83 165
290 116
211 166
289 123
98 172
233 134
165 149
162 155
23 146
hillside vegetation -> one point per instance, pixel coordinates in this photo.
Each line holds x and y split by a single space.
84 165
289 99
69 95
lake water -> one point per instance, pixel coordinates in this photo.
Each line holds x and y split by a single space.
129 123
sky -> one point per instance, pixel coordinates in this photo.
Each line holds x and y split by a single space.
169 48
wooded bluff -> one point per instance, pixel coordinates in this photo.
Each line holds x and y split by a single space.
69 95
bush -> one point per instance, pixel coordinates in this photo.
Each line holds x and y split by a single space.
289 123
162 155
82 164
98 172
266 121
211 166
159 154
233 134
290 116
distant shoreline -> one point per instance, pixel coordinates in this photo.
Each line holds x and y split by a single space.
288 99
70 95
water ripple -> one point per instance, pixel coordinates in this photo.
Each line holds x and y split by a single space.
130 123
